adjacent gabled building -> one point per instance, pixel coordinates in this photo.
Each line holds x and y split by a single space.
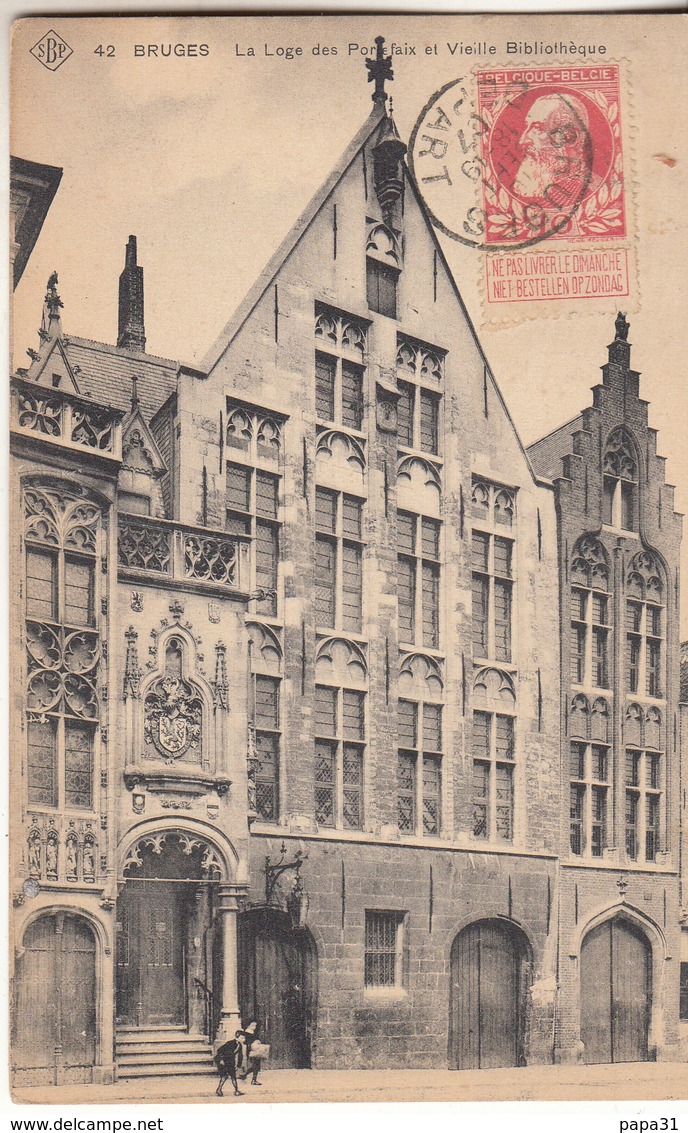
619 541
289 725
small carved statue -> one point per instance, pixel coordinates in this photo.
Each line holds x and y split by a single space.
71 859
35 857
51 856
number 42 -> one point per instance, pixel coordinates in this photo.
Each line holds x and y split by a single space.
108 51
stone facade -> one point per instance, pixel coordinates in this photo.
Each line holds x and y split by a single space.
325 669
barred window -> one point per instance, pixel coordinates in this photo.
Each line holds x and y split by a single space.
338 560
493 776
644 646
419 768
267 749
643 786
383 949
381 287
252 498
590 634
418 579
590 773
339 368
340 736
683 992
420 370
42 762
492 593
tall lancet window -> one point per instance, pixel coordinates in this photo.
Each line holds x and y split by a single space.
383 268
620 500
63 648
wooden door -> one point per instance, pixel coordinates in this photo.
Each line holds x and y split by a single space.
55 1011
277 988
616 993
486 1023
152 920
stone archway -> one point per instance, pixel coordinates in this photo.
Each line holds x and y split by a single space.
55 1013
176 941
490 965
278 984
616 992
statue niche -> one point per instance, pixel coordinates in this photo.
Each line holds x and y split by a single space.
173 712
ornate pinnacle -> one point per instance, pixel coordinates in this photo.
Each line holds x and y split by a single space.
379 70
52 299
622 327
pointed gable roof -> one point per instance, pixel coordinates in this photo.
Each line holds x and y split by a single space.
51 362
378 119
290 241
140 451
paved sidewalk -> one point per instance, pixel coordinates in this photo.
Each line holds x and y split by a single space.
626 1081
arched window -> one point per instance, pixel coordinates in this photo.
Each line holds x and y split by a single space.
590 614
644 626
620 482
340 734
590 776
419 758
494 755
63 647
643 775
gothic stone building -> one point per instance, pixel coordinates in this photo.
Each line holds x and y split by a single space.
296 737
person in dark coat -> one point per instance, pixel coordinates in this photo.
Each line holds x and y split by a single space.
227 1059
252 1064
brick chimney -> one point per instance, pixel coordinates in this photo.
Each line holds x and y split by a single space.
131 332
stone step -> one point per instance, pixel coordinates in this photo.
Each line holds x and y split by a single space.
157 1034
158 1058
168 1070
126 1050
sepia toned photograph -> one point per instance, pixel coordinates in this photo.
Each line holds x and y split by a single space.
349 662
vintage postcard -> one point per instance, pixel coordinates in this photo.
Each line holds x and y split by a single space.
348 456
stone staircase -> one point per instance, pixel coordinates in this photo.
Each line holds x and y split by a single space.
162 1052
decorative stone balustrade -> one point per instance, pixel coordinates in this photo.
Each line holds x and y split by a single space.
181 553
65 417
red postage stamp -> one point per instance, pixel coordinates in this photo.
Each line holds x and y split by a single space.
552 158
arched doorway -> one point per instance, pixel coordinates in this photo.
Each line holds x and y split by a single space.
165 928
55 1005
489 971
615 992
278 984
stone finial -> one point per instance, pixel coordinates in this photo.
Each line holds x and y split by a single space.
51 326
380 70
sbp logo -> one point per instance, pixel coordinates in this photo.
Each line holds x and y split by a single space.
51 50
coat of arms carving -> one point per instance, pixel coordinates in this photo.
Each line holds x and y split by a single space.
174 719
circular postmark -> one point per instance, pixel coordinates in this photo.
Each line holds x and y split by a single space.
514 163
30 887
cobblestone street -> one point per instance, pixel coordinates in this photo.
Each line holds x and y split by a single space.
633 1081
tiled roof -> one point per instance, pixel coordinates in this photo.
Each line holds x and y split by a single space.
547 453
106 372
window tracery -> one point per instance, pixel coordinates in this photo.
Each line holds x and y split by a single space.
63 648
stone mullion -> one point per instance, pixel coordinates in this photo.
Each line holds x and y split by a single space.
617 823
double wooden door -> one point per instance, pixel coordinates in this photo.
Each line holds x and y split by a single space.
55 1007
616 993
277 988
151 953
488 966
